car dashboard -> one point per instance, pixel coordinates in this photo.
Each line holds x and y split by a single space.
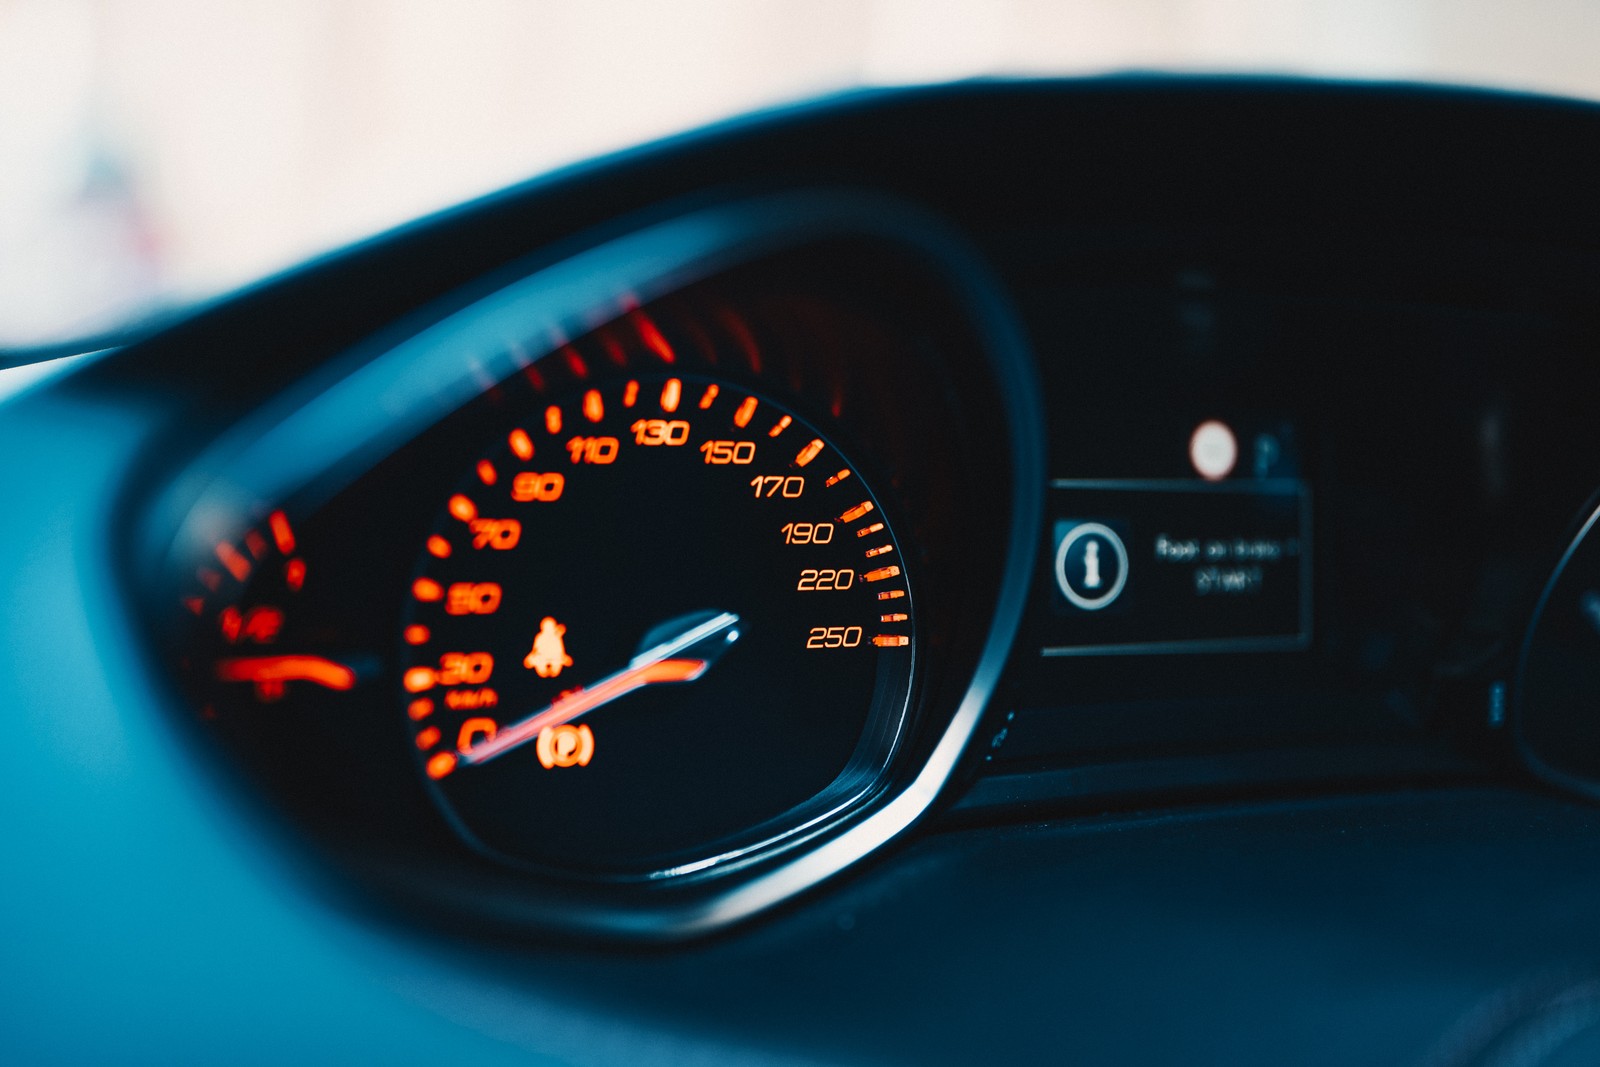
1015 570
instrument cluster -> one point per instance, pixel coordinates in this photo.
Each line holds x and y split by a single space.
671 601
638 585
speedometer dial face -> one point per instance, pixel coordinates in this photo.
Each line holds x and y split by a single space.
661 622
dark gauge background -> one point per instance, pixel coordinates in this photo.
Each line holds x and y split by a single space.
682 771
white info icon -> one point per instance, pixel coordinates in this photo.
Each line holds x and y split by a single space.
1091 566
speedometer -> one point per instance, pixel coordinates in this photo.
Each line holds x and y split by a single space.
646 588
660 623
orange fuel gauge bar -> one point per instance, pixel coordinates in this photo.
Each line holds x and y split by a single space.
269 673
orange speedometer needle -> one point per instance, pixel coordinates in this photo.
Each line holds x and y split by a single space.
679 659
269 673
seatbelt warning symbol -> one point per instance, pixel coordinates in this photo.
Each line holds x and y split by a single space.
549 656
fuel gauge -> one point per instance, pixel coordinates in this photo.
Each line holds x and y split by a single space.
250 653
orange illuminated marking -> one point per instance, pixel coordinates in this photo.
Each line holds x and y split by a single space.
594 408
465 668
237 565
613 349
472 598
531 485
259 625
881 573
783 424
836 479
486 472
866 530
417 635
630 394
473 727
521 444
565 746
294 574
428 738
891 594
898 616
419 708
441 764
856 512
438 547
270 672
549 653
575 362
552 419
500 535
891 640
671 393
420 679
808 453
652 337
426 589
746 412
708 396
194 604
880 550
463 508
281 533
471 698
256 544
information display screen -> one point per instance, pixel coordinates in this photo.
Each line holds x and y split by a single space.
1179 566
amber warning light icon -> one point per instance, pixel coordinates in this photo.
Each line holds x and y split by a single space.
678 651
565 746
548 657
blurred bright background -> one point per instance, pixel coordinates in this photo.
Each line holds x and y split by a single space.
154 152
